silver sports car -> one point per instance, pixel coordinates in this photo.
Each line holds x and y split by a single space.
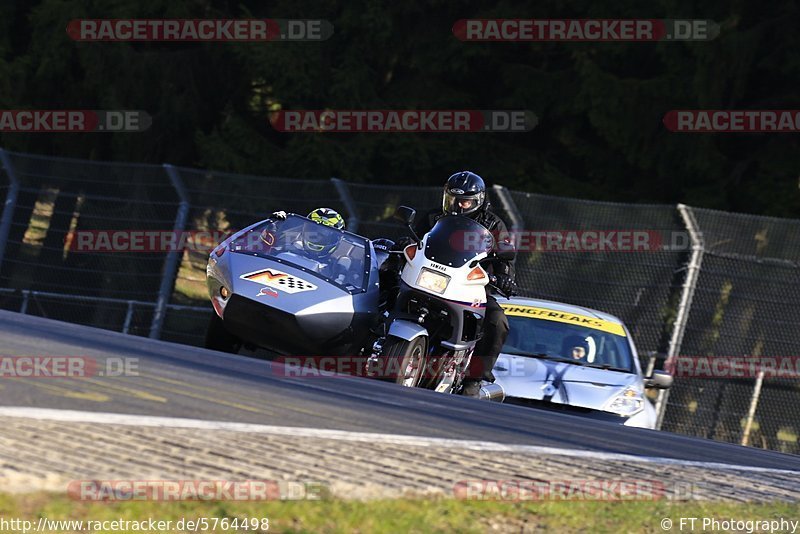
569 358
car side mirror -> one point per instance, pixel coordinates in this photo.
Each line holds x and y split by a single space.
659 380
405 215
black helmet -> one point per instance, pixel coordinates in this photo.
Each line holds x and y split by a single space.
576 347
464 194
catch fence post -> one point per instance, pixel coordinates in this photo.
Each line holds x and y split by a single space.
514 216
753 405
349 203
26 295
128 317
172 261
510 207
685 304
10 203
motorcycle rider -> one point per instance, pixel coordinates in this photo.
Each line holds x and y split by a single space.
465 194
319 246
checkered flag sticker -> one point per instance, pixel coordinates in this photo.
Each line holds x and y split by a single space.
279 280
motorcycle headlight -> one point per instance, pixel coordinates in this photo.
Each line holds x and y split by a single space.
628 403
433 281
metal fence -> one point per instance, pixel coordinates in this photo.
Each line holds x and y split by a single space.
638 286
745 305
709 283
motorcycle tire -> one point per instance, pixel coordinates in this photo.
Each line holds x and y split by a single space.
405 360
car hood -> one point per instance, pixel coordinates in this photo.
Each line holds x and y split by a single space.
561 383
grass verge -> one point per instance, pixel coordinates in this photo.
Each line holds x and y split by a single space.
401 515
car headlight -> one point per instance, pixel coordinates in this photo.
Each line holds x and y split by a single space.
628 403
433 281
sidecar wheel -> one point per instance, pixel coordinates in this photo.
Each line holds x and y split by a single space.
218 337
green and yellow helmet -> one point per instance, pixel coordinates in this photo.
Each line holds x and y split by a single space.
323 243
328 217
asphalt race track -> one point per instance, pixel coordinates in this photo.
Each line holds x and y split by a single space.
181 381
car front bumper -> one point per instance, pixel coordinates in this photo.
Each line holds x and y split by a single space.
641 419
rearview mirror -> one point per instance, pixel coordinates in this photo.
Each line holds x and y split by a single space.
659 380
405 215
505 249
506 255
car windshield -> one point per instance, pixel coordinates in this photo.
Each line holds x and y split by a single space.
604 346
454 240
336 256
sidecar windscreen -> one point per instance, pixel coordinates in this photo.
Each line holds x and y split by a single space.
337 256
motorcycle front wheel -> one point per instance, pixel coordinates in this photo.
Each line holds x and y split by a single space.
405 360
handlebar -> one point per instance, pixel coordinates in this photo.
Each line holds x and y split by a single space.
493 282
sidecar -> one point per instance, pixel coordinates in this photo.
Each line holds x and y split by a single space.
293 287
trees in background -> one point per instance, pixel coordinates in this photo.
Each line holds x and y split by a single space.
599 105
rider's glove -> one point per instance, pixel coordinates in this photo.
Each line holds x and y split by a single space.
505 283
281 215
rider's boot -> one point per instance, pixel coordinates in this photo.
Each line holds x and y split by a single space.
471 388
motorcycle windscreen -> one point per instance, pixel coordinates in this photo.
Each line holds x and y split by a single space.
455 240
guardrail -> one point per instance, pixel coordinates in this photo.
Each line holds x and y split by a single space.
27 295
